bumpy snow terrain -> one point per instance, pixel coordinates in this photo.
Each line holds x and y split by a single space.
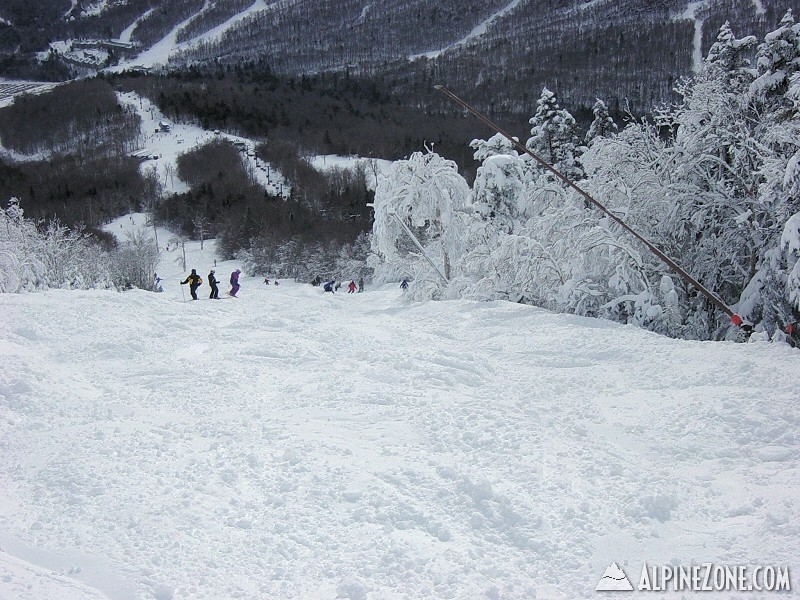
295 444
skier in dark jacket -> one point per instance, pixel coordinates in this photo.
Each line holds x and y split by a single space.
328 287
404 285
194 282
234 282
360 285
212 281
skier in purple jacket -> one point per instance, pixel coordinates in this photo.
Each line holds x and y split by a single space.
235 282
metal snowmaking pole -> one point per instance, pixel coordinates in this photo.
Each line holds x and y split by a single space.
414 239
418 245
735 319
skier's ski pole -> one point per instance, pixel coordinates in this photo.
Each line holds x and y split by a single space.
735 319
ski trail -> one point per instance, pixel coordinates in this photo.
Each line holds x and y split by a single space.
300 445
160 51
125 36
588 5
184 137
73 4
476 32
220 29
697 45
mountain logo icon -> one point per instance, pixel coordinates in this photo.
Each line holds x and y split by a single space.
613 580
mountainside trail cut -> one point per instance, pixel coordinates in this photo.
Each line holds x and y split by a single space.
295 444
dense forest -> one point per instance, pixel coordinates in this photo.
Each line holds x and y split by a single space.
320 114
77 137
630 54
224 202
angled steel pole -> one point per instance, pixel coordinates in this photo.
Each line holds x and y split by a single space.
735 319
418 245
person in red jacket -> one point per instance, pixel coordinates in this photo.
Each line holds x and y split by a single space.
351 288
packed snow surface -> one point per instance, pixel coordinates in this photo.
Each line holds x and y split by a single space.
294 444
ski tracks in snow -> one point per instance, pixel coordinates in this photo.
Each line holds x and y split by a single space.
306 445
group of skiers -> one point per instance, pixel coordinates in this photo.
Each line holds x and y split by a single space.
194 280
332 286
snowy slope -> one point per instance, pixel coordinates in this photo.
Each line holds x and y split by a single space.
476 32
295 444
375 168
691 14
160 52
184 137
126 34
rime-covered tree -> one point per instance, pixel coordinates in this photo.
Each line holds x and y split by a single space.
713 181
428 195
498 144
35 256
778 59
790 247
732 55
553 135
602 125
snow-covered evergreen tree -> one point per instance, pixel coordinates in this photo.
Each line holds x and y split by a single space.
778 59
790 246
602 125
731 55
554 136
498 144
776 132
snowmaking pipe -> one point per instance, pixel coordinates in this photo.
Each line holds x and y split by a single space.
418 245
735 319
